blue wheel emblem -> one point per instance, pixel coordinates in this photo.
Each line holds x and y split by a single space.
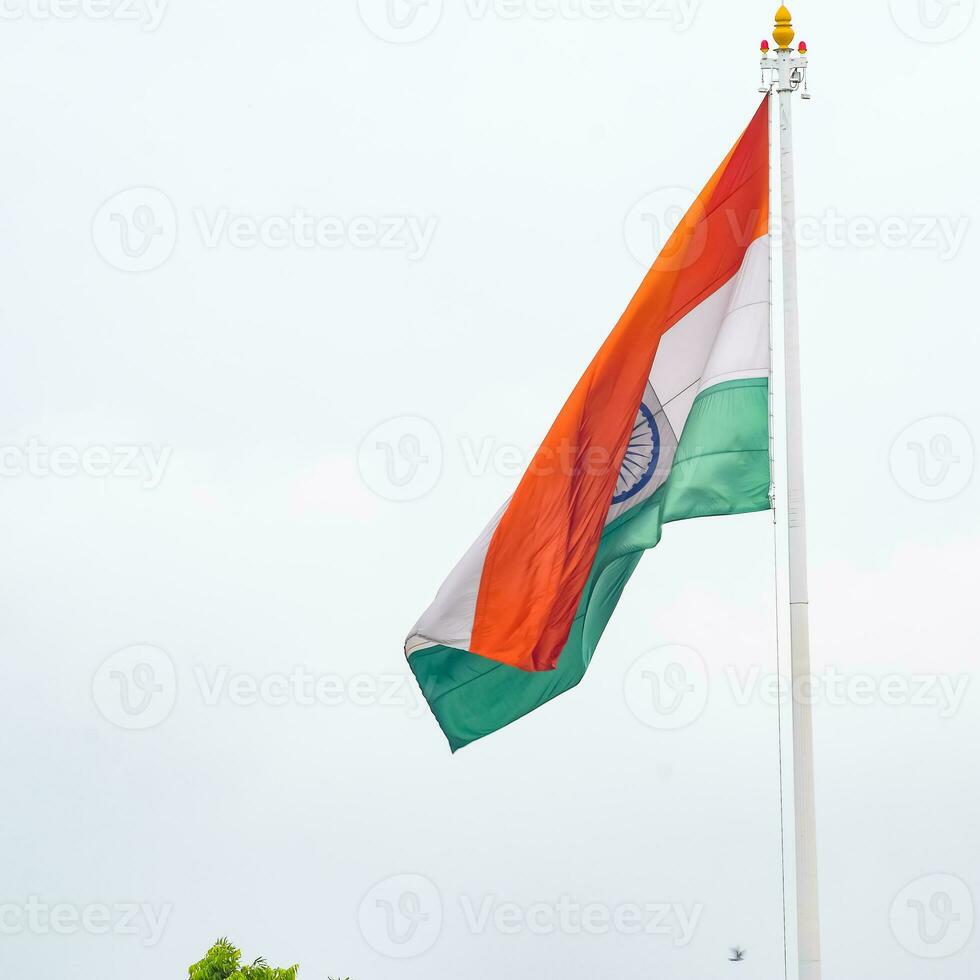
642 456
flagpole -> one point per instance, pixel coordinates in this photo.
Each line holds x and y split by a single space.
789 67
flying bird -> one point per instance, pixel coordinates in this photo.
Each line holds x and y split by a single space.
738 955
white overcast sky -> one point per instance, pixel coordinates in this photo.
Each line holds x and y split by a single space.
479 184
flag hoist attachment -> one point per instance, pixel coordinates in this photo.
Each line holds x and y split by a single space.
785 71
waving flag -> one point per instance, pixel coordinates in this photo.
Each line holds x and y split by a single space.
669 422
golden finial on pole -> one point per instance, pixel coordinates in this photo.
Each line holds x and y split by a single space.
786 67
783 34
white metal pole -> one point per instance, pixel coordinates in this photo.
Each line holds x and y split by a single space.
788 69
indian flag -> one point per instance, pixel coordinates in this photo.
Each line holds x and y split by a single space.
669 422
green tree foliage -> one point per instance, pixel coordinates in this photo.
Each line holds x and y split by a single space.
223 962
